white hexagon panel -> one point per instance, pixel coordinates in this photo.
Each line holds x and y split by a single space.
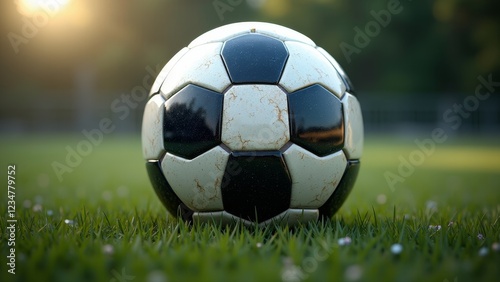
202 66
197 182
307 66
353 119
255 117
293 217
313 178
152 128
288 217
337 66
166 70
226 32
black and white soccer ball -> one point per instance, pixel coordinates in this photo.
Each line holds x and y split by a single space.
253 122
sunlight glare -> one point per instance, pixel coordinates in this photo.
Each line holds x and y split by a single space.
30 7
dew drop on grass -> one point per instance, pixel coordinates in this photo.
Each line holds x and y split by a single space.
483 251
108 249
69 222
396 249
344 241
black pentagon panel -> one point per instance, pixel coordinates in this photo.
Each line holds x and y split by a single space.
165 192
333 204
316 120
192 122
256 185
254 58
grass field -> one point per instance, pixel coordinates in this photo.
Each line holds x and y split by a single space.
103 222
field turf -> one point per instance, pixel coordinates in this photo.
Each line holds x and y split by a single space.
103 222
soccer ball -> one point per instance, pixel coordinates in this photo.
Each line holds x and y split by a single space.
252 122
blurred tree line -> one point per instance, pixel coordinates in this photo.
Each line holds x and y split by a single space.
397 47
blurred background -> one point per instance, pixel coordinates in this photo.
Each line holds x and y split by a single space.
67 64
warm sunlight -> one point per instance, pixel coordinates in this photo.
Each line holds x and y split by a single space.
30 7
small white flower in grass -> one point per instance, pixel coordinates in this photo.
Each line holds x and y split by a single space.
483 251
108 249
435 227
37 208
344 241
381 199
396 249
495 247
480 236
353 273
69 222
258 245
